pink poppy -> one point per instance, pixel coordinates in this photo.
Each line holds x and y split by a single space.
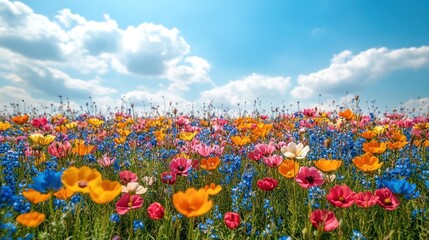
273 161
324 220
341 196
128 202
180 166
267 184
127 176
387 199
59 150
366 199
309 177
155 211
203 149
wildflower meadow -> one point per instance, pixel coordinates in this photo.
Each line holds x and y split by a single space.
307 174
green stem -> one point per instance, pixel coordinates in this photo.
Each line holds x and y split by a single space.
191 229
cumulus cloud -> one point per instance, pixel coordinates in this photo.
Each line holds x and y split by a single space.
250 88
348 71
420 105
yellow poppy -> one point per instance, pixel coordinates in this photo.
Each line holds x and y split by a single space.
367 162
104 191
41 140
213 189
35 197
95 122
187 136
328 165
192 202
240 141
4 126
210 163
289 168
78 179
31 219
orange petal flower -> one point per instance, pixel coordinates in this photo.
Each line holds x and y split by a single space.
192 202
347 114
31 219
81 149
213 189
368 135
396 145
35 197
367 162
328 165
210 163
240 141
63 193
95 122
104 191
78 179
374 147
20 119
289 168
4 126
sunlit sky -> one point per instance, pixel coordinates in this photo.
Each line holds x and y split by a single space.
189 52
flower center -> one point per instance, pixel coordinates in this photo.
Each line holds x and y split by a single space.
387 201
181 168
341 199
130 204
310 179
82 184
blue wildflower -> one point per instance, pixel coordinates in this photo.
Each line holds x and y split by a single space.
402 187
47 181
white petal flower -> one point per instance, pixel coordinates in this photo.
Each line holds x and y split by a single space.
292 150
134 188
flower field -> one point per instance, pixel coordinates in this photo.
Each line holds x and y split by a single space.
302 175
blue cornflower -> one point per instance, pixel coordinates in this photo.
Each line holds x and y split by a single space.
285 238
47 181
5 195
402 187
137 225
115 218
357 235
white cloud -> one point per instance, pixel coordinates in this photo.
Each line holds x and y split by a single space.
248 89
348 71
419 106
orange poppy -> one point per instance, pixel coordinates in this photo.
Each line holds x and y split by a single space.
63 193
20 119
78 179
192 202
240 141
210 163
396 145
328 165
367 162
31 219
374 147
213 189
347 114
289 168
368 135
81 149
35 197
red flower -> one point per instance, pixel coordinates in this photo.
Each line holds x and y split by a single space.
168 178
127 176
341 196
155 211
324 220
309 177
267 184
128 202
387 199
180 166
366 199
232 220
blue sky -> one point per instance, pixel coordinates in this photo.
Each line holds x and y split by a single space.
192 52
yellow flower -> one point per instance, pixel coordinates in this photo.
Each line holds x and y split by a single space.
71 125
41 140
35 197
81 149
95 122
187 136
213 189
104 191
120 140
192 202
379 129
240 141
31 219
328 165
4 126
78 179
289 168
367 162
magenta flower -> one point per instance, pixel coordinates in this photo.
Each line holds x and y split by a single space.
309 177
267 184
128 202
180 166
203 149
127 176
341 196
387 199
